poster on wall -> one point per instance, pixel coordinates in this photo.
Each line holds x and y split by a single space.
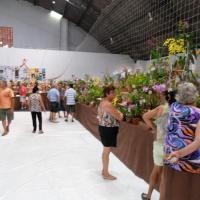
37 74
6 36
9 73
22 73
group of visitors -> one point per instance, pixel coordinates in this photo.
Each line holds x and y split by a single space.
59 100
23 89
175 124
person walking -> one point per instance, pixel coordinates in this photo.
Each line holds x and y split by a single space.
36 106
70 98
54 98
6 106
109 118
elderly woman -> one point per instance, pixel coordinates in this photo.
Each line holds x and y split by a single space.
109 118
182 142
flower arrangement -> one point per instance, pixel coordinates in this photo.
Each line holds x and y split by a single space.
175 46
160 88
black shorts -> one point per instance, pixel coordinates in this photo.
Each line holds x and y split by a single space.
54 107
70 108
108 136
61 105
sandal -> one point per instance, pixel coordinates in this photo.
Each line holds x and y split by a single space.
144 197
108 177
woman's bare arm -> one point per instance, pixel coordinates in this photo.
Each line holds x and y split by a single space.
149 116
193 146
108 107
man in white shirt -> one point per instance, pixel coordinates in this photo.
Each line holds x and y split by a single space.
70 97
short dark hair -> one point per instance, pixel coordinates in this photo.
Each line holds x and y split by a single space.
71 85
35 89
107 90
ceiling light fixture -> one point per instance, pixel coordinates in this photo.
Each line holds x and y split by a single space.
53 2
55 15
150 17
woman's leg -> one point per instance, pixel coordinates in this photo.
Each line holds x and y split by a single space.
33 114
105 161
39 115
155 175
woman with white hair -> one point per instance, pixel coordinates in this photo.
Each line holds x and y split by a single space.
182 142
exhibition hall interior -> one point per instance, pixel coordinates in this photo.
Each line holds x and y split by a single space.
99 99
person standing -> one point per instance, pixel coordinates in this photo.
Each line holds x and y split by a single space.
182 145
54 97
156 120
182 141
6 106
70 97
62 101
36 106
23 93
109 118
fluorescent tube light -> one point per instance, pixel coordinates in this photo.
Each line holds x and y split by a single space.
55 15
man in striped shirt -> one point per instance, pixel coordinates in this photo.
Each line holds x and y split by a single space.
70 97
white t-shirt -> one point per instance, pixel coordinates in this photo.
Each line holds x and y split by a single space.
71 96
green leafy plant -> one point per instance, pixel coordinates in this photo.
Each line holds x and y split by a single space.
136 111
138 80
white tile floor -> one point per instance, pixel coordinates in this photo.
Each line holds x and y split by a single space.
62 164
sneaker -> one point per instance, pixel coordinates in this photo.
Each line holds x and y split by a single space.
66 120
72 120
33 131
41 132
144 197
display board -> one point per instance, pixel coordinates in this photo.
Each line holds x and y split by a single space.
22 73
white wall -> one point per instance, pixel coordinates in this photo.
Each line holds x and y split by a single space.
34 28
64 64
79 40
